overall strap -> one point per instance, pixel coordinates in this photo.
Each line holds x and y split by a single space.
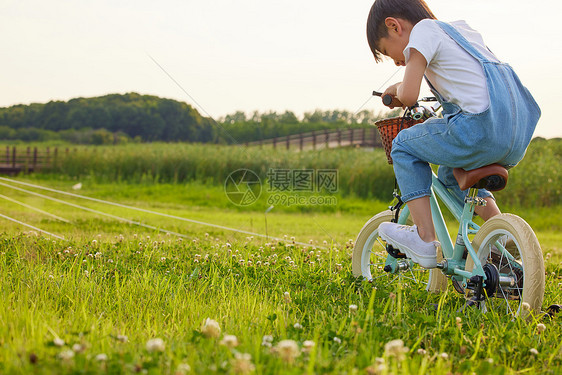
433 90
461 41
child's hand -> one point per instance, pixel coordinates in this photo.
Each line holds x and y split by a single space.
392 91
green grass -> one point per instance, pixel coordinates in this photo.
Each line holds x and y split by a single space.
110 279
535 182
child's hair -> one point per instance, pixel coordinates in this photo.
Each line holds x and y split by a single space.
410 10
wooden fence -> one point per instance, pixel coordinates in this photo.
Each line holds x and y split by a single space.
14 160
318 139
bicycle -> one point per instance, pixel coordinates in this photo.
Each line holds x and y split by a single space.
498 265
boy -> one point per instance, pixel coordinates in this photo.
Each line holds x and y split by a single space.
488 116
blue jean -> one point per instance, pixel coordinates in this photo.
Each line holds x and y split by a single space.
465 140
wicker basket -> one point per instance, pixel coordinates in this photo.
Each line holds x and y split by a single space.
389 128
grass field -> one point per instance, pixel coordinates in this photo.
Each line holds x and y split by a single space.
115 297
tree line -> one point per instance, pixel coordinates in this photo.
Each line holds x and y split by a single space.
131 117
111 118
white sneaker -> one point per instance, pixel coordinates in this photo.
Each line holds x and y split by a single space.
406 239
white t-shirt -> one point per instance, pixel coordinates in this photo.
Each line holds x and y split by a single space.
454 73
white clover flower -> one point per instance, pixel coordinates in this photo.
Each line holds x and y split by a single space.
352 309
183 368
211 328
379 367
288 350
444 356
421 351
337 340
58 341
102 357
395 348
525 306
297 326
66 355
230 341
155 345
533 351
267 340
122 338
541 328
78 348
242 363
287 297
307 346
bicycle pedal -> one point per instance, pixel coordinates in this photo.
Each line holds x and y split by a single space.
457 286
475 200
395 252
552 310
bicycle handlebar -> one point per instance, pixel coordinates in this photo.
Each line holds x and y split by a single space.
392 101
389 100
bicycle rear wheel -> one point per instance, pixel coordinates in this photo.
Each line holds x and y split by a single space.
370 255
510 244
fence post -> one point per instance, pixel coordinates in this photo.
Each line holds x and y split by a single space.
314 140
288 141
14 157
327 135
34 158
27 157
55 158
339 137
301 141
274 143
363 137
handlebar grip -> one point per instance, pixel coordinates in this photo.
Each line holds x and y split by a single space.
391 101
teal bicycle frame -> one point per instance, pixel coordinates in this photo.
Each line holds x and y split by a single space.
453 264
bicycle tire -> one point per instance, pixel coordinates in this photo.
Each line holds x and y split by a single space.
528 262
368 239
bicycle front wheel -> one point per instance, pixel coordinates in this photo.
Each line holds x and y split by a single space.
510 244
369 257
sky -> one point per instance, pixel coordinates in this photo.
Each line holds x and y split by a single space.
246 55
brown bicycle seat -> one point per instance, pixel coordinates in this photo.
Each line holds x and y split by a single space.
492 177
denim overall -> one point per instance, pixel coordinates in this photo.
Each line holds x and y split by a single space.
466 140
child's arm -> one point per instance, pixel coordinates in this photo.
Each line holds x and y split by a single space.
408 90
